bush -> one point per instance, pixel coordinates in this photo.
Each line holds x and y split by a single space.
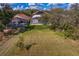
66 25
2 27
39 27
20 43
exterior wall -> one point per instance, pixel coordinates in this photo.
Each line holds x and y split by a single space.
15 23
35 19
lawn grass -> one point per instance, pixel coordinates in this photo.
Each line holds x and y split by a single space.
47 42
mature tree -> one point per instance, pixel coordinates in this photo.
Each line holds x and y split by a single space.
75 6
6 13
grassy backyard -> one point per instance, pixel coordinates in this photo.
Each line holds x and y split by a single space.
36 32
47 42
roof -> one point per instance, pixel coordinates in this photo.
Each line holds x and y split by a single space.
23 16
35 16
38 12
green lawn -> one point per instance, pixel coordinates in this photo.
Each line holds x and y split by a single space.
47 42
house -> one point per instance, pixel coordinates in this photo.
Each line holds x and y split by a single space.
19 21
36 16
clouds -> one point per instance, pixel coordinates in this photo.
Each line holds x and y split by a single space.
18 8
33 7
40 6
31 4
26 7
69 5
0 6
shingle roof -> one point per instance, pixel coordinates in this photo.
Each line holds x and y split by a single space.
23 16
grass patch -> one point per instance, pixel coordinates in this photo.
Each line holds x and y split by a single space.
47 43
39 27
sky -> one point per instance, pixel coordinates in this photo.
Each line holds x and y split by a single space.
40 6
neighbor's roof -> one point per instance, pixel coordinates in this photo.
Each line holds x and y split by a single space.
38 12
23 16
35 16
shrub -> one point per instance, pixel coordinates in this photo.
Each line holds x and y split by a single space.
66 24
2 27
40 27
20 43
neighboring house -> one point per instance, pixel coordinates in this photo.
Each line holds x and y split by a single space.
19 21
36 16
35 19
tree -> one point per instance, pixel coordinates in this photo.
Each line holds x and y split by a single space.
46 17
6 13
75 6
57 11
29 12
